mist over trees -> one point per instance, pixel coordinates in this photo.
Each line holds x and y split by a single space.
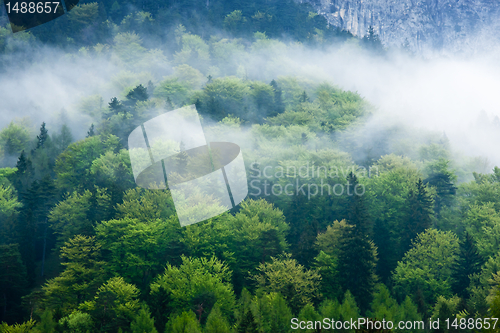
389 223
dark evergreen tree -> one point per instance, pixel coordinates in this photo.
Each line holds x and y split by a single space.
304 98
372 41
442 179
248 324
356 264
42 137
91 131
13 283
116 106
24 175
418 216
279 107
151 88
139 93
469 262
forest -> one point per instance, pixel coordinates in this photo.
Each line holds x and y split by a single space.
342 220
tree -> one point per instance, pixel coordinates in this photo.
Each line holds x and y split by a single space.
139 93
372 41
90 132
357 260
248 324
115 106
13 282
143 323
64 139
272 313
418 215
184 323
468 263
115 304
42 137
427 266
216 322
83 274
137 250
440 177
209 283
77 214
47 323
279 106
284 275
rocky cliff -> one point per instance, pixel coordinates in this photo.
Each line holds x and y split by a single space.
430 26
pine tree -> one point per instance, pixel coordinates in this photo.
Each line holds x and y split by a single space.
418 215
139 93
13 282
216 323
143 323
304 98
442 179
279 107
116 106
248 324
469 262
42 137
65 138
151 88
357 261
90 132
372 41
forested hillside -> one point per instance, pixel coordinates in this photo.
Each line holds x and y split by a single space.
339 223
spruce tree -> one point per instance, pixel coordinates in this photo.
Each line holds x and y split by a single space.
356 263
139 93
91 131
248 324
42 137
115 106
279 107
469 262
418 215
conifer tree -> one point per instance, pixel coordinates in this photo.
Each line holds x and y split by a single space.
116 106
42 137
13 282
469 262
418 215
143 323
279 107
91 131
248 324
357 259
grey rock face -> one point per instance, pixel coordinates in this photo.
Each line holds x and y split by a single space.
430 26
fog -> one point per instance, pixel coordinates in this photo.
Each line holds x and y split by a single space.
455 96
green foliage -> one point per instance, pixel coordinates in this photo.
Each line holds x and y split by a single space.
357 260
197 285
78 213
216 322
77 322
73 166
82 276
184 323
427 266
136 250
284 275
114 306
272 313
468 263
143 323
